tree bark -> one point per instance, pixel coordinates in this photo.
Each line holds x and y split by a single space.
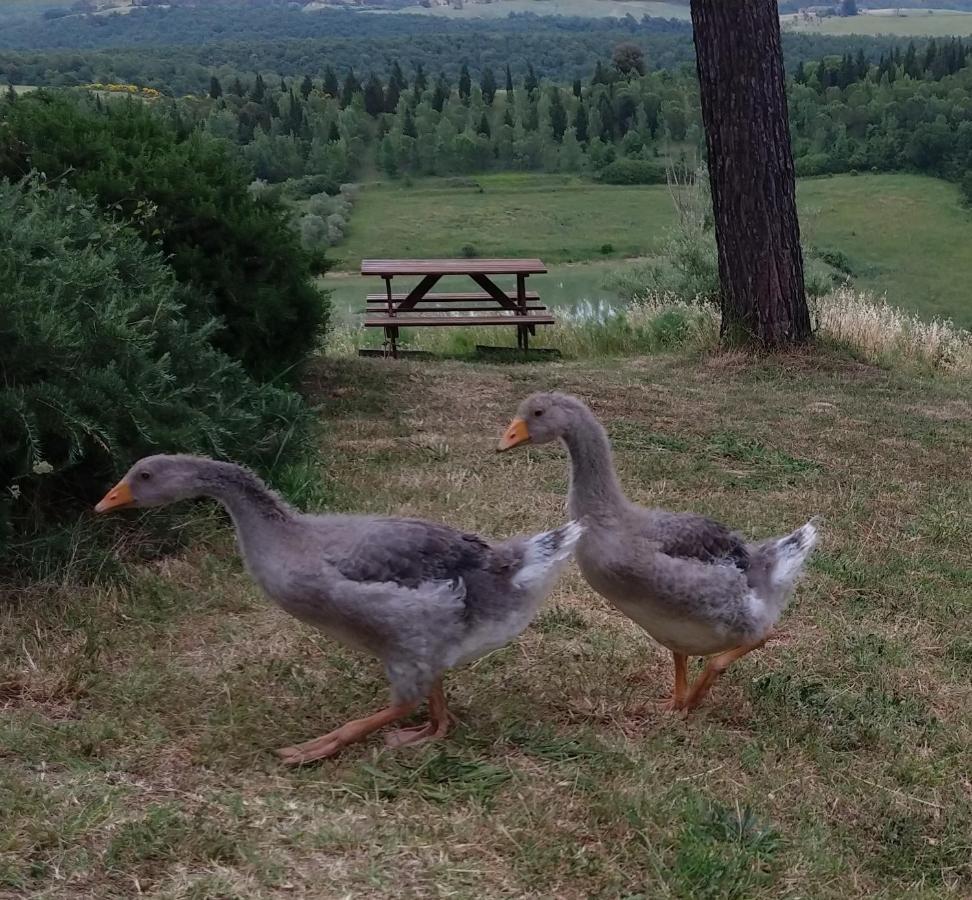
740 65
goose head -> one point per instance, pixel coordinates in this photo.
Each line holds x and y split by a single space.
542 418
155 481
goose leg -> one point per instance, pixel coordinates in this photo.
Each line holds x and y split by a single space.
714 668
335 741
680 693
437 726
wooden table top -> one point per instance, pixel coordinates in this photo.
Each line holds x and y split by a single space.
389 267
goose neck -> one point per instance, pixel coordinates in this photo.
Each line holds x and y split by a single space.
594 487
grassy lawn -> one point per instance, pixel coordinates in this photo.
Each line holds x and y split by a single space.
906 235
559 218
587 8
912 22
138 719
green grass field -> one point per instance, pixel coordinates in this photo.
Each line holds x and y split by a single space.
586 8
138 720
905 235
911 23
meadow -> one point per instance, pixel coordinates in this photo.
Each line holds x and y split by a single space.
139 718
909 23
587 8
906 236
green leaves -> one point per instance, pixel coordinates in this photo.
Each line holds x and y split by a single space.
99 365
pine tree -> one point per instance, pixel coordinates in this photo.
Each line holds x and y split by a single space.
508 117
558 115
800 75
577 88
861 66
910 63
484 128
388 157
605 110
306 86
351 87
465 84
283 86
374 96
397 78
441 92
509 81
237 87
408 124
421 82
333 134
330 82
259 89
11 93
530 83
215 88
392 96
488 86
580 124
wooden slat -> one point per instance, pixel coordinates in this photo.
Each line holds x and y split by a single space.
413 321
391 267
426 310
457 296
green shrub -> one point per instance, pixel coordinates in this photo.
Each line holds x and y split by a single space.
100 367
632 171
184 193
966 187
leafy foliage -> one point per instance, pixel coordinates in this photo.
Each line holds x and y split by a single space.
184 192
99 366
633 171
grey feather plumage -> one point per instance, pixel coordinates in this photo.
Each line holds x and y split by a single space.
420 596
692 583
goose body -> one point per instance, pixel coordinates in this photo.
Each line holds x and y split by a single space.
420 596
693 584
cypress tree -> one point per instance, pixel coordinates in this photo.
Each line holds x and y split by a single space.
581 124
330 82
421 82
558 116
488 86
374 96
351 87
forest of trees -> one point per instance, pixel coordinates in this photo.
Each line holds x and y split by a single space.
181 61
911 109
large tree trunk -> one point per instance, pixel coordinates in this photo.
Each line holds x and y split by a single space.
740 65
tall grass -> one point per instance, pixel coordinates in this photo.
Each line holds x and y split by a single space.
865 326
879 333
588 331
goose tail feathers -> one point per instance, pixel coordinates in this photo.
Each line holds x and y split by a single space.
545 554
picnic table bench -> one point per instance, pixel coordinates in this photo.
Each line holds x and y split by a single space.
419 306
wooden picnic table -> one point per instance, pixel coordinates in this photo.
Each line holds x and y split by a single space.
419 306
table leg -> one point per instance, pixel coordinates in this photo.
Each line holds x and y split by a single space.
391 337
388 294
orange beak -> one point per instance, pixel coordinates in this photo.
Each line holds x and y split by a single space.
517 433
119 497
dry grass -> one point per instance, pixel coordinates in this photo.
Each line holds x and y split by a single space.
881 333
137 720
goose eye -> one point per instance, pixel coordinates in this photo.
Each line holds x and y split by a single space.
145 476
538 412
